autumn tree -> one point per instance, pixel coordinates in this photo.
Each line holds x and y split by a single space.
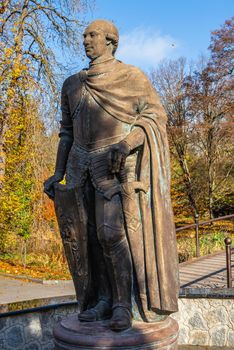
31 31
222 51
211 94
199 105
33 35
169 80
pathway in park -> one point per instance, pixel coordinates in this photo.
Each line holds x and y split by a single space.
16 290
205 272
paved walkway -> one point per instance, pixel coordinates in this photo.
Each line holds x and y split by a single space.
206 272
14 290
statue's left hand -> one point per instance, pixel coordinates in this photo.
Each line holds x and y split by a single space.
49 184
117 156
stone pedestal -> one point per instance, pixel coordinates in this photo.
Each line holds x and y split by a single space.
70 334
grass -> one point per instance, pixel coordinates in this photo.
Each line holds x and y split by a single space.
52 264
211 238
38 266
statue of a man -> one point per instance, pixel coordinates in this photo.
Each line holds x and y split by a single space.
115 211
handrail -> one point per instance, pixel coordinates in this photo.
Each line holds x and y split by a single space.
226 217
229 252
227 241
196 226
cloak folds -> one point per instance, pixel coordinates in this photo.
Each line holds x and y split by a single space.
126 94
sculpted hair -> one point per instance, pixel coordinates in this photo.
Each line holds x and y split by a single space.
110 31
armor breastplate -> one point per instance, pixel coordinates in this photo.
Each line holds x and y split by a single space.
93 127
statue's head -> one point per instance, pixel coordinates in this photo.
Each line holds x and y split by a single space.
100 37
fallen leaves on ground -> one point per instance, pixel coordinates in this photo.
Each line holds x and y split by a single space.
47 273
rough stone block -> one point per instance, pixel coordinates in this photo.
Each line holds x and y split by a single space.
46 317
183 335
215 303
228 303
2 341
15 337
197 322
232 317
57 318
33 330
49 346
216 316
3 323
33 346
218 336
198 337
230 340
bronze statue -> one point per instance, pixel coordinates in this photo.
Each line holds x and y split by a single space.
115 212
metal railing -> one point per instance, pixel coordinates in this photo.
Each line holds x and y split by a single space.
203 223
227 241
229 260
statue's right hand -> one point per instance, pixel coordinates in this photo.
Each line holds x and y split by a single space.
49 184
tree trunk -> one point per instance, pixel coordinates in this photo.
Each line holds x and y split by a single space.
180 150
211 169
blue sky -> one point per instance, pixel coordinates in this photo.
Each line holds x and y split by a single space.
152 30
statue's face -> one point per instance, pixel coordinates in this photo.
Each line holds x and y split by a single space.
95 42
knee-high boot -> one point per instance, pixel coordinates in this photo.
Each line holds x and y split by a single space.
112 237
119 267
99 269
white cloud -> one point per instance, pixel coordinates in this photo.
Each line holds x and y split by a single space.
145 47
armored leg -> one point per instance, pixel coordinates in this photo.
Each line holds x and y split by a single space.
112 237
99 270
101 307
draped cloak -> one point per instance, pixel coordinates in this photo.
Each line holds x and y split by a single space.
126 94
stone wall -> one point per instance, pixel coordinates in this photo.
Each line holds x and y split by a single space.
206 322
32 331
202 321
